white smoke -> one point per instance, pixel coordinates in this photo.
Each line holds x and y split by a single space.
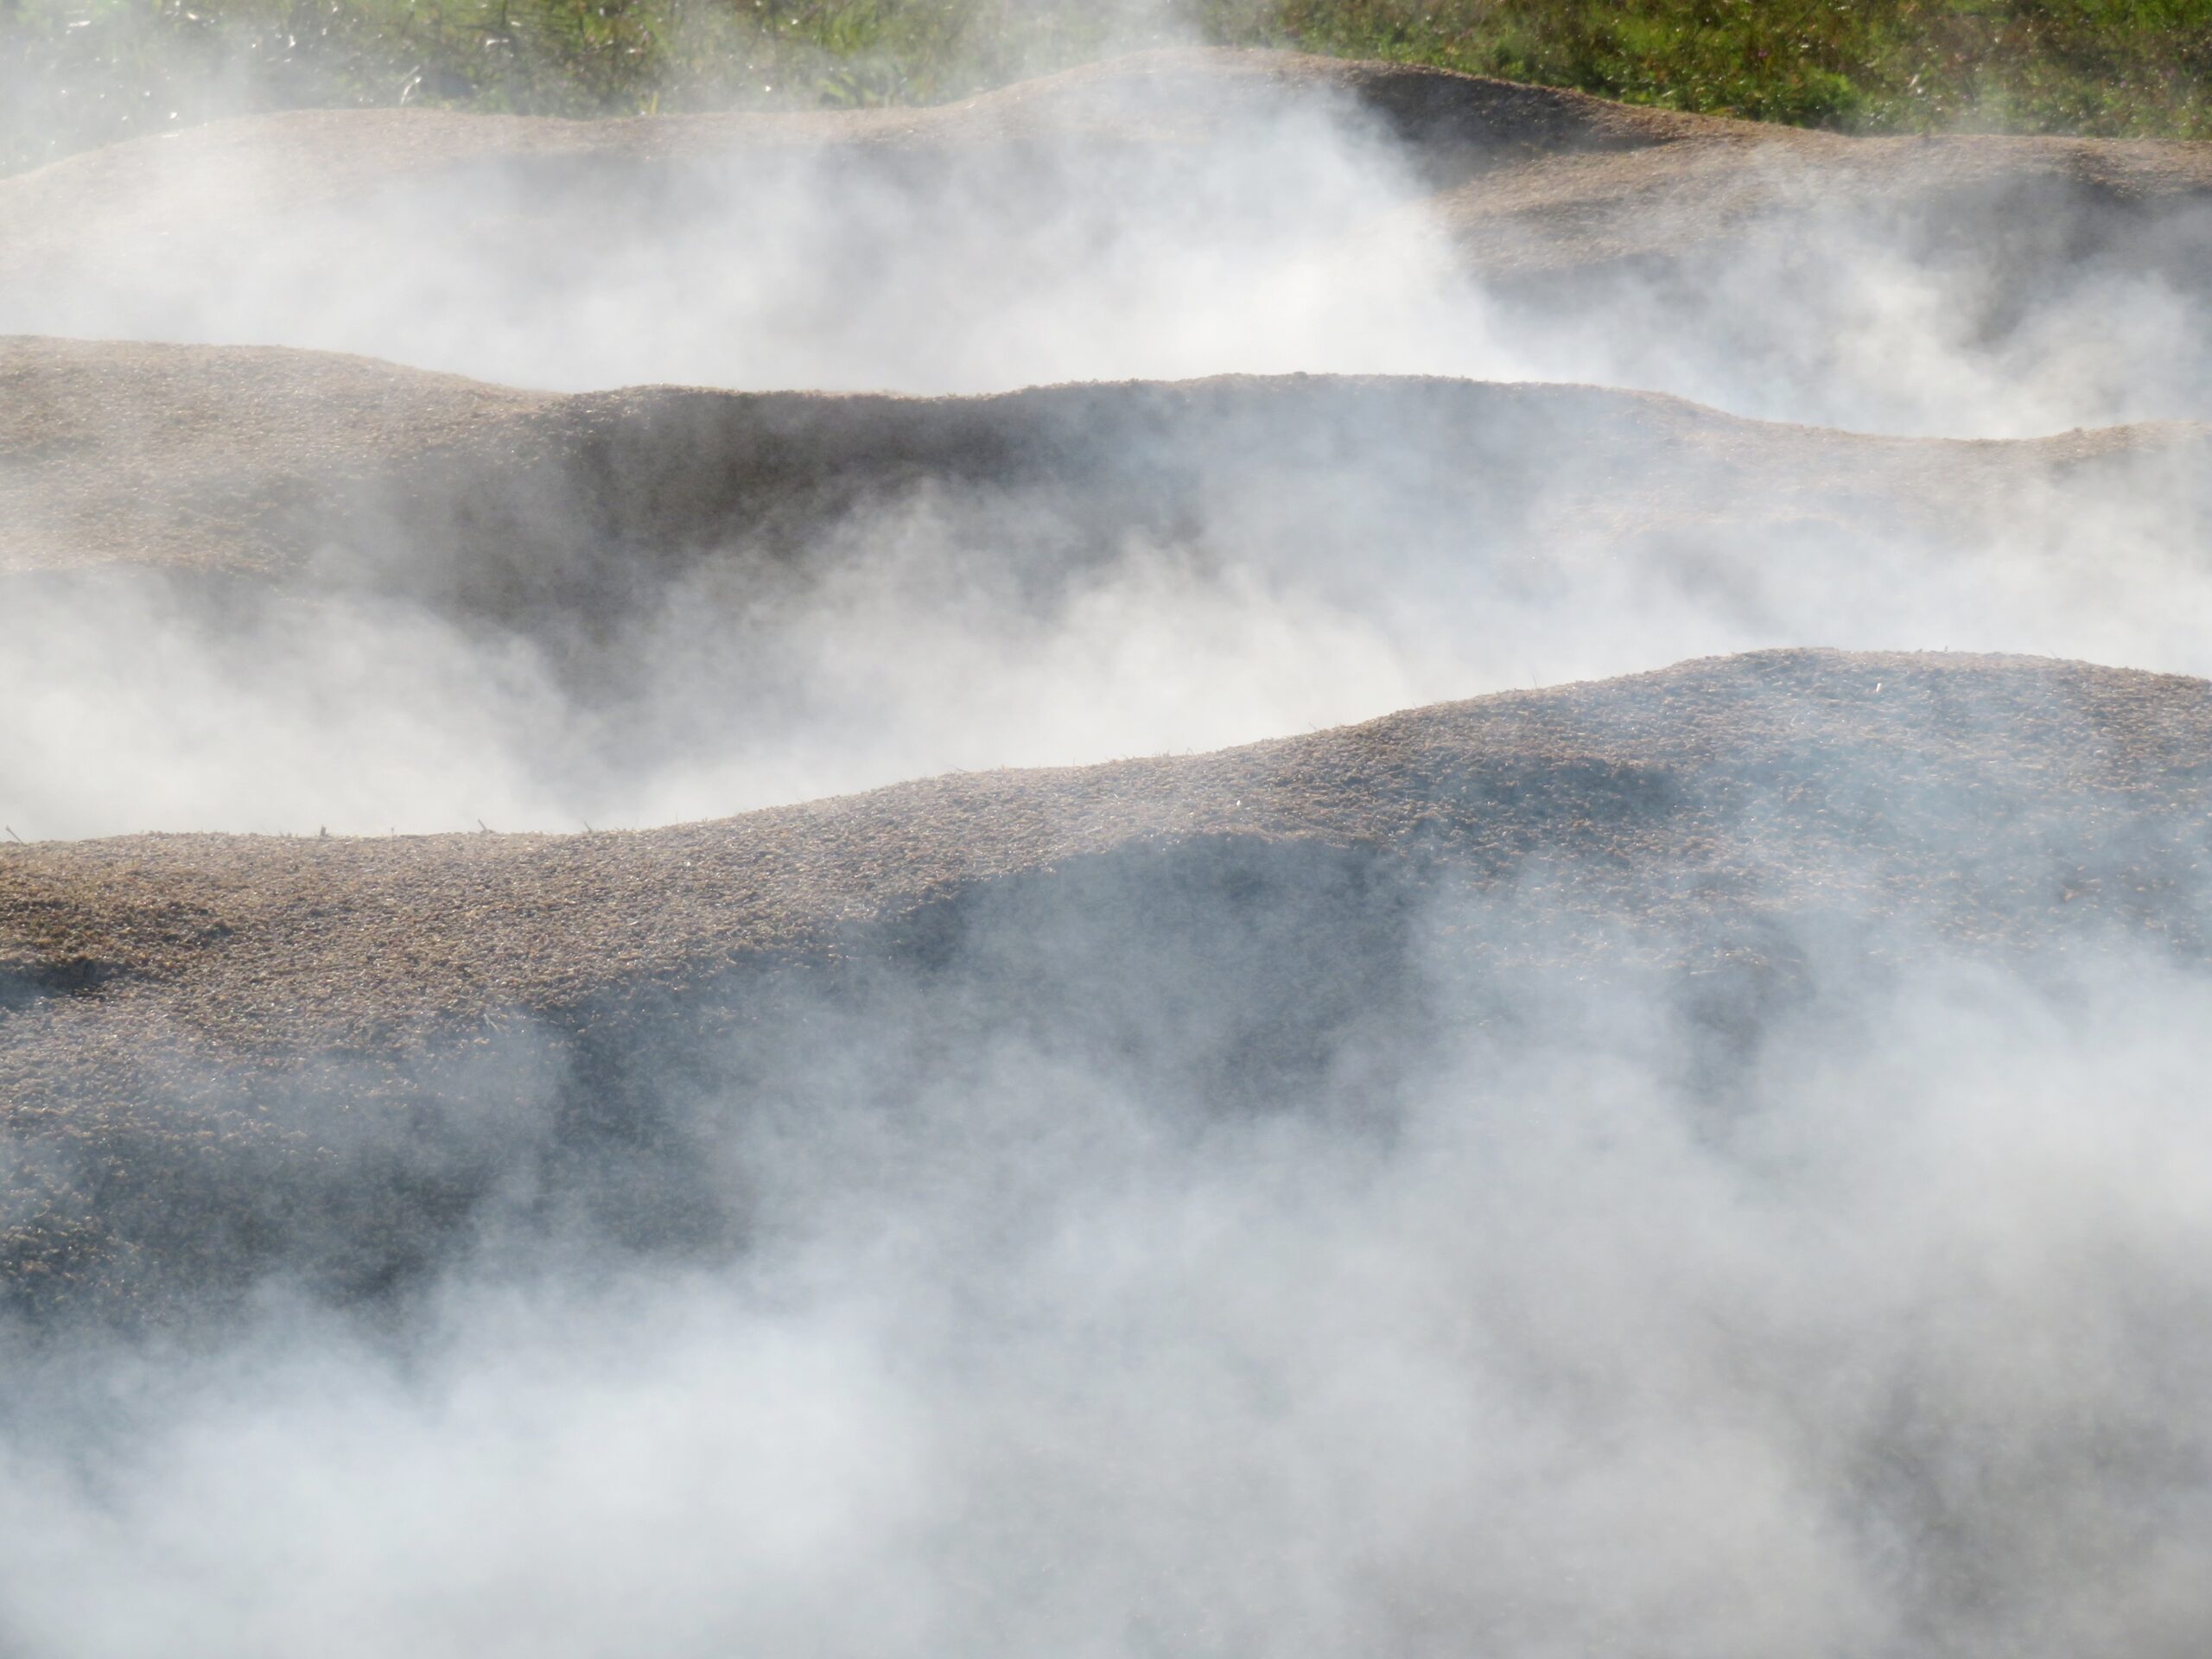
1522 1337
1295 239
1894 1354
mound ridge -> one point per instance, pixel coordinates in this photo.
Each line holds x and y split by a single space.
1761 1088
1165 99
1532 180
180 1010
307 468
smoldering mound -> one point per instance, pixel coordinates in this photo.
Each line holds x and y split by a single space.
201 1027
364 597
1711 1162
1168 215
528 510
1717 1151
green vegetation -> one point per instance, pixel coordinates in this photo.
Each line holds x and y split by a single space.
78 73
2112 68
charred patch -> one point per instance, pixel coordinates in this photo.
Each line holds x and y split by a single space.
25 983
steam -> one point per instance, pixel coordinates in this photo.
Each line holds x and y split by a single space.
1543 1349
1301 237
1152 231
958 628
1150 1275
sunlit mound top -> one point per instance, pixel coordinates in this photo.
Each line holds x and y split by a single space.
1170 97
1472 138
1997 799
1713 833
338 471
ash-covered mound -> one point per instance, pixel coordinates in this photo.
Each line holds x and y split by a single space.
1167 102
1168 215
1713 1162
226 1057
261 589
1484 142
328 472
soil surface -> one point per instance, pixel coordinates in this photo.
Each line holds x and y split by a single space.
1719 824
1532 179
223 1058
309 469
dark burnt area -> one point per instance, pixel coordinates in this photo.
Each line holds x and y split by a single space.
24 982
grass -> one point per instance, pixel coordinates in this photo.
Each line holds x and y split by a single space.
78 73
2109 67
